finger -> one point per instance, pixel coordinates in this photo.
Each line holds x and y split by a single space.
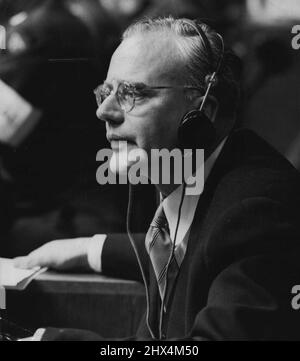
20 262
26 262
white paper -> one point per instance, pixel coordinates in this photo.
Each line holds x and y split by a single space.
12 277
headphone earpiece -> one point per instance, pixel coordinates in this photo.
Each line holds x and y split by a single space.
196 131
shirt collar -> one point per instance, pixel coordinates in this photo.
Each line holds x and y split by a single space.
172 202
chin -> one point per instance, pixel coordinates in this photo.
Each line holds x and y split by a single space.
119 163
120 160
124 158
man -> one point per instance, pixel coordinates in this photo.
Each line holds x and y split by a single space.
235 260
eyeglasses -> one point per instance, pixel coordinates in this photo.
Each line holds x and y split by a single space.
128 94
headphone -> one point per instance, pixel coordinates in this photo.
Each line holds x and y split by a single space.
196 129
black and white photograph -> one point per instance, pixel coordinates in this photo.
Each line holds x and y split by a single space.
149 173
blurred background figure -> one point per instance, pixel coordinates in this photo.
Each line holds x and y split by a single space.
8 8
272 70
57 52
125 11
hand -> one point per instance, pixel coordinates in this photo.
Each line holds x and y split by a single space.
59 255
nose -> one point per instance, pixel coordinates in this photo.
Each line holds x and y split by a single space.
109 111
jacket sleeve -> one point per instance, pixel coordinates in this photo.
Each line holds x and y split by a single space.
119 259
252 258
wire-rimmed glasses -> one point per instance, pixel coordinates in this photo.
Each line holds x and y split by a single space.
127 93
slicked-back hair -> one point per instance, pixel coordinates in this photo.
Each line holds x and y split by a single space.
200 60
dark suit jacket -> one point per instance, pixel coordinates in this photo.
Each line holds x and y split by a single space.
242 258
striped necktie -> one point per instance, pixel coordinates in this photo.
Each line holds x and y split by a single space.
159 247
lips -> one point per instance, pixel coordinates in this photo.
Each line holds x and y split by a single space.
118 138
119 143
111 138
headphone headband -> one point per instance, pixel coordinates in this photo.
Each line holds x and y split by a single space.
206 42
211 79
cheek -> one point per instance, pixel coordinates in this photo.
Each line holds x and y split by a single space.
147 134
158 126
167 127
159 132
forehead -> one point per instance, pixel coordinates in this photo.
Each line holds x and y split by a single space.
150 58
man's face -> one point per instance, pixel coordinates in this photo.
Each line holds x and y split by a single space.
153 60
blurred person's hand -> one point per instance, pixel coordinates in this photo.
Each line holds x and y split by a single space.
59 255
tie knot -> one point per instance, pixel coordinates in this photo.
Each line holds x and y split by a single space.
160 220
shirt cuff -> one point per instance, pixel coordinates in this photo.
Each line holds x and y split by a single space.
94 251
38 335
